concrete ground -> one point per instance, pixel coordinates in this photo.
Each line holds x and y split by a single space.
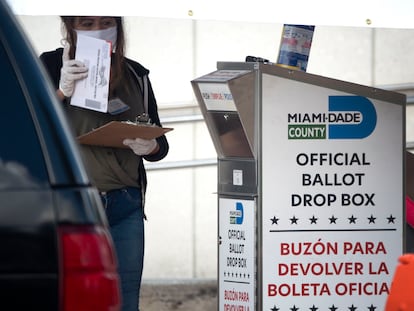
179 295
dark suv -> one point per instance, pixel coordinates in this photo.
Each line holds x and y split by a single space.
55 249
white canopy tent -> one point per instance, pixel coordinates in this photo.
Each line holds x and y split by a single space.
357 13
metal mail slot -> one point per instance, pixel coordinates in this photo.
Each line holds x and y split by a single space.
237 176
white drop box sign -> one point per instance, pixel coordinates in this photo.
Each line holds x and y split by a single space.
332 197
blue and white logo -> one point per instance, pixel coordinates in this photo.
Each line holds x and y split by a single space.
348 117
359 109
236 216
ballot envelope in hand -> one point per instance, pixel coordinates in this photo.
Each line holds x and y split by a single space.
92 92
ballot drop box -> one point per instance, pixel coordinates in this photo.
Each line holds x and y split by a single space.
310 188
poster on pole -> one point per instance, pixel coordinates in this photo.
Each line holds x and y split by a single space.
333 218
236 254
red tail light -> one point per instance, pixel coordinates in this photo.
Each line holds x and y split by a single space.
88 270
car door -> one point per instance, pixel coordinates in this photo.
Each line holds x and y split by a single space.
56 252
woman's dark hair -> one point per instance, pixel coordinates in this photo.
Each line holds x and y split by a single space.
117 60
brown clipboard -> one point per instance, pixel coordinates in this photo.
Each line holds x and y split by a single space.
113 134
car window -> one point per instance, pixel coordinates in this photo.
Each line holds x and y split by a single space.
21 159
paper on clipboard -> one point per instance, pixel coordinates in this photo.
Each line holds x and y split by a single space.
113 134
92 92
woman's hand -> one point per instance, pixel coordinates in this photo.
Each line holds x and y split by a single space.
142 146
72 70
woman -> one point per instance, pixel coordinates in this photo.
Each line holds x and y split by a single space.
118 173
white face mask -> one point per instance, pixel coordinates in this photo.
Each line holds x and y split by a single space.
109 34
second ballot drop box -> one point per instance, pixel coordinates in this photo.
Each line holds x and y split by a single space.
310 188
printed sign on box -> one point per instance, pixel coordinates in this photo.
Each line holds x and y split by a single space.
333 202
236 255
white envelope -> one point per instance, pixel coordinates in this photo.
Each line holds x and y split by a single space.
92 92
